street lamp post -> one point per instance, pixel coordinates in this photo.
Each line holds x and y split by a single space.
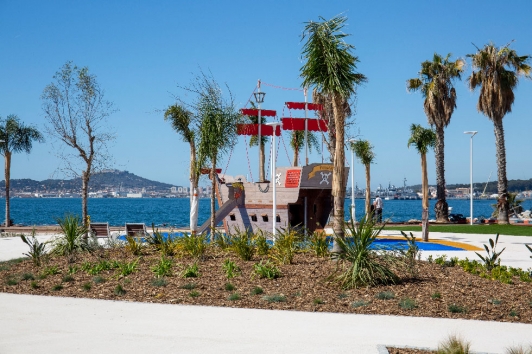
471 175
274 206
353 210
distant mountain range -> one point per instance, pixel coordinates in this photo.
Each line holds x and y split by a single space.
105 180
514 185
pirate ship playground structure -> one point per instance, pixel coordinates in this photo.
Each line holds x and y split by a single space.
298 196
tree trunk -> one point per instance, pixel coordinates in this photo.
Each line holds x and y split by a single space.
502 183
7 160
368 191
425 202
296 157
261 161
194 202
213 196
85 175
338 190
441 208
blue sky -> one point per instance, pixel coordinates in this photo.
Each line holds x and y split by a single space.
140 51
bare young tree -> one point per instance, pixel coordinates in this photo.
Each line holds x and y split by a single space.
76 112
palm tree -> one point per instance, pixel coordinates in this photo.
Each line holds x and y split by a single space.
297 142
496 71
217 129
364 152
423 139
182 122
436 84
15 137
331 68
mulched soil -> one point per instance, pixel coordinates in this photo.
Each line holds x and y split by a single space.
303 285
408 351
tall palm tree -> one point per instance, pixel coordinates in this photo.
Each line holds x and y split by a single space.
15 137
217 129
182 121
496 71
330 67
436 84
364 152
423 139
297 142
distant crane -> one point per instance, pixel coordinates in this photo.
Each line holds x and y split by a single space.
483 195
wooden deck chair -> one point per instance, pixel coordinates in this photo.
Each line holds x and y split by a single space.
100 229
133 229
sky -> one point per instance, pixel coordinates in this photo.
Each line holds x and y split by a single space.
142 52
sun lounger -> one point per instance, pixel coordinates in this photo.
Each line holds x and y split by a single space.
133 229
100 229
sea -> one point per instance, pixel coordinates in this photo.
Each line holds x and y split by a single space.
174 212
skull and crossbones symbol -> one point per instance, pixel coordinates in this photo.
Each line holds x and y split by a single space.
325 177
278 178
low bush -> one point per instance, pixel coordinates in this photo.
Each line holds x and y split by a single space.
57 287
34 285
286 245
98 280
318 301
194 293
436 295
454 308
234 297
189 286
73 237
258 290
318 244
28 276
275 298
229 287
37 250
68 278
134 245
454 345
385 295
261 243
163 267
194 246
359 303
87 286
126 268
266 270
407 304
243 245
159 282
230 268
119 290
492 257
191 271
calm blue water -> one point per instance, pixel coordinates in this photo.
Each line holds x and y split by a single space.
175 212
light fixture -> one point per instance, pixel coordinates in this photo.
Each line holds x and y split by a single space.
259 96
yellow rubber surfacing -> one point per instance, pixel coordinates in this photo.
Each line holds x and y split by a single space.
464 246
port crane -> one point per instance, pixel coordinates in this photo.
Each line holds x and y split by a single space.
483 195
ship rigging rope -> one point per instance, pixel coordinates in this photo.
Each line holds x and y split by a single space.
281 87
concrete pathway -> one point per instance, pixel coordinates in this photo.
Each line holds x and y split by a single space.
40 324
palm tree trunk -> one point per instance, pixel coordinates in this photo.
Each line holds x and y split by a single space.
7 161
296 156
338 190
368 191
441 208
425 202
213 196
261 161
502 184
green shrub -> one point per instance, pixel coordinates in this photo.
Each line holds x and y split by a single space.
411 254
11 281
275 298
385 295
194 293
454 345
364 266
229 287
234 297
191 271
261 243
454 308
98 280
258 290
266 270
242 244
513 313
436 295
119 290
286 245
57 287
28 276
68 278
163 267
318 301
492 258
407 304
221 240
72 269
126 268
166 245
230 269
73 237
319 244
495 301
50 270
37 250
87 286
189 286
359 303
134 245
343 296
34 285
194 246
159 282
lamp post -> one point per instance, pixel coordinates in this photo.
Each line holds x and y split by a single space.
259 98
472 133
353 210
274 177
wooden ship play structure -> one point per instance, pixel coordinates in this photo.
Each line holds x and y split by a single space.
299 196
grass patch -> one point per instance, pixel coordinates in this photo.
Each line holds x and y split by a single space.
28 276
318 301
68 278
189 286
274 298
87 286
34 285
513 313
513 230
191 271
454 345
194 293
11 281
436 295
8 264
342 296
359 303
119 290
258 290
266 270
385 295
159 282
495 301
229 287
407 304
98 280
57 287
234 297
454 308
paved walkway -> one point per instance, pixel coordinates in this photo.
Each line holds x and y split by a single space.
43 324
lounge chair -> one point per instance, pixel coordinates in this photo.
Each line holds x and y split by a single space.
100 229
133 229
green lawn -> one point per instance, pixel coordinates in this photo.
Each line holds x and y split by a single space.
492 229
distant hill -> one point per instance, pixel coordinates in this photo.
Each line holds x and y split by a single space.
514 185
108 179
